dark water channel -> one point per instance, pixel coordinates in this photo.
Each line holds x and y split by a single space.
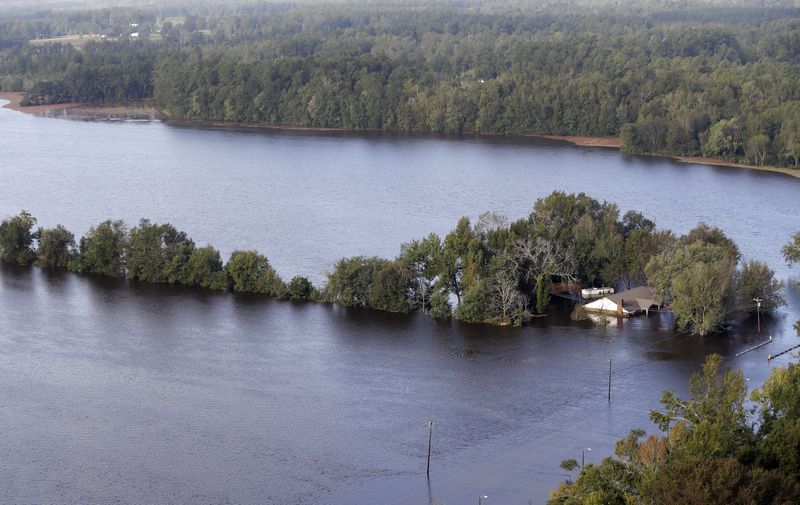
118 392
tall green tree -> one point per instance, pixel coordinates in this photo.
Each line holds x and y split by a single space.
57 248
16 239
102 249
250 272
756 280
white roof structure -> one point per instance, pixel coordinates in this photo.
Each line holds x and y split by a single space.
625 303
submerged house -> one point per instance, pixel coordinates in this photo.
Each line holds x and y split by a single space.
625 303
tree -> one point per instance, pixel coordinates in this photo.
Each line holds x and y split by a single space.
713 420
102 249
709 452
697 279
778 403
454 256
756 280
204 268
16 239
157 252
699 295
57 247
424 259
390 288
509 303
350 281
300 289
440 305
791 251
250 272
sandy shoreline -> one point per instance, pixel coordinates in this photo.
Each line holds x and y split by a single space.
615 143
142 110
583 141
109 112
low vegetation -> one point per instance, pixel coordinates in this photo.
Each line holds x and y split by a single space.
491 271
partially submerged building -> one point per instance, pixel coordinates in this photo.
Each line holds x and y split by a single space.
625 303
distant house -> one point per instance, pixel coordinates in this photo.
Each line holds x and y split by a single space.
625 303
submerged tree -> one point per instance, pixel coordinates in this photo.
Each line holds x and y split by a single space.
791 251
16 239
697 278
57 247
755 280
102 250
250 272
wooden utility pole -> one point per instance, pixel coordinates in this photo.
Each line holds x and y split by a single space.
430 438
758 312
609 380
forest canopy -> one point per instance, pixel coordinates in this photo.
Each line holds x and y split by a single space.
716 79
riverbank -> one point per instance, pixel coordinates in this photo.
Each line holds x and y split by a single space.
148 111
616 143
115 112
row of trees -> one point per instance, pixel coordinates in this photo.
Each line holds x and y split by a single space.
666 82
147 252
715 448
488 272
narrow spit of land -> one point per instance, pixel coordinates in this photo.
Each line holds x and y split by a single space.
147 110
143 110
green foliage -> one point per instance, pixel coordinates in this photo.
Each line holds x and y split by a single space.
475 303
440 305
713 420
710 453
699 295
542 293
250 272
697 278
717 79
204 268
301 289
157 253
102 250
57 247
391 285
791 251
370 282
779 422
16 239
756 280
350 282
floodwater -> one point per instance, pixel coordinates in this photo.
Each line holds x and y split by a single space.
120 392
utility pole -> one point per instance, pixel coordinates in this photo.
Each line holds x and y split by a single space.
430 438
609 380
758 312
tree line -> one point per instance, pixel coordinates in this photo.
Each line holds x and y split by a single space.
490 271
716 448
148 252
722 82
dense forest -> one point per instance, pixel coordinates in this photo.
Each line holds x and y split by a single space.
717 79
717 447
491 271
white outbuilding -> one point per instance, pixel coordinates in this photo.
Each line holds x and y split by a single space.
625 303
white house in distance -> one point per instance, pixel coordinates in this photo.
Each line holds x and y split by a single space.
625 303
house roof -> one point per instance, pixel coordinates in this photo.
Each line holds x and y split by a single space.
641 298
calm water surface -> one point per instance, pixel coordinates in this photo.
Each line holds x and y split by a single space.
118 392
